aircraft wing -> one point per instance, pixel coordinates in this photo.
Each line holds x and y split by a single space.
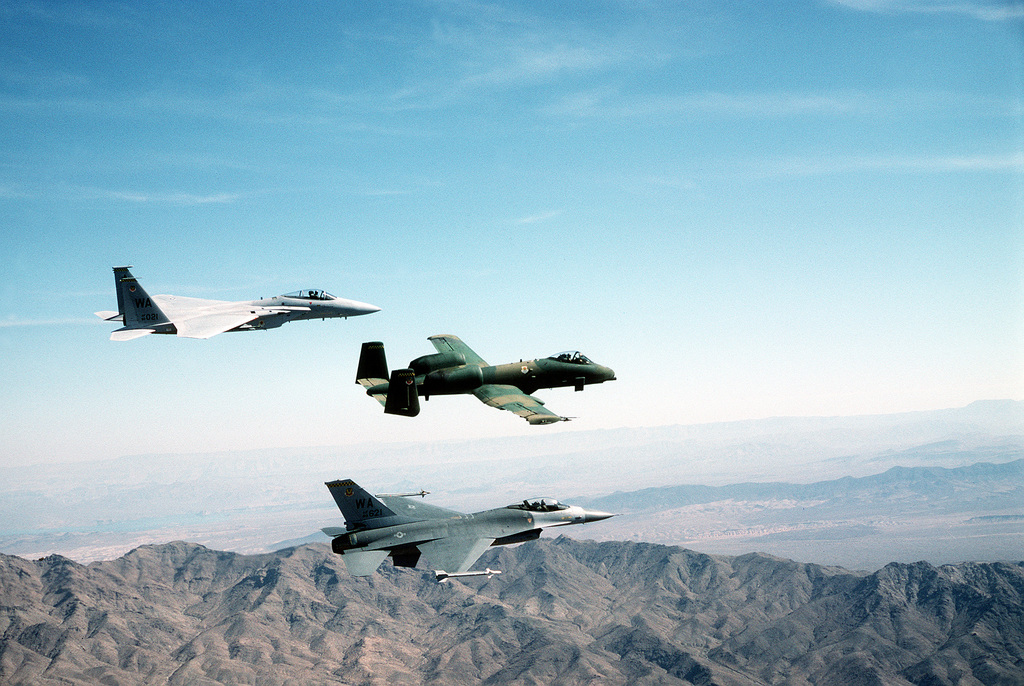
447 343
209 324
505 397
454 554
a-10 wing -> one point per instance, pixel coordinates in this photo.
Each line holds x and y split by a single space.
447 343
501 396
510 398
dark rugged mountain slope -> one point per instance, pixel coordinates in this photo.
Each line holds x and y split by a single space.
564 612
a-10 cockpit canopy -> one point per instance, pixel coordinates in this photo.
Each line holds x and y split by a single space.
539 505
311 294
572 357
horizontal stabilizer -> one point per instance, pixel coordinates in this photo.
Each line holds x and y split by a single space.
129 334
109 316
334 531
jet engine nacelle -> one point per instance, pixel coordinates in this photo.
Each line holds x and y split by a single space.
448 381
430 363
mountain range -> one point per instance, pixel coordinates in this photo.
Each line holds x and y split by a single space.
563 612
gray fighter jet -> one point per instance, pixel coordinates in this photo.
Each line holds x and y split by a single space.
143 314
397 526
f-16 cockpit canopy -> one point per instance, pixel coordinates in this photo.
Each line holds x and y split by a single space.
311 294
572 357
540 505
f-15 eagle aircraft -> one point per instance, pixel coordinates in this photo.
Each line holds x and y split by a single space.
143 314
455 369
403 528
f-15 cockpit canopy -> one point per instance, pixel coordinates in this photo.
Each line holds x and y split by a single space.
540 505
311 294
572 357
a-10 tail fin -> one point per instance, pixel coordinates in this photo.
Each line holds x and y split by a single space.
358 506
403 398
398 394
373 364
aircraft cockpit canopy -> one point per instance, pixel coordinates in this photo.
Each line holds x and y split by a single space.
572 357
540 505
311 294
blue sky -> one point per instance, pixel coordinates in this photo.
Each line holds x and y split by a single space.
807 208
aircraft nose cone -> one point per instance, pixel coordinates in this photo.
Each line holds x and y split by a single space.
358 308
595 516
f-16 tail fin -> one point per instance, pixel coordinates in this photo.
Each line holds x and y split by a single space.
141 315
358 506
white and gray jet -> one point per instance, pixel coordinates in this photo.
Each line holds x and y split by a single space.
403 528
143 314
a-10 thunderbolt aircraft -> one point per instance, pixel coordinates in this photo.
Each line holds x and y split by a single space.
143 314
398 526
456 369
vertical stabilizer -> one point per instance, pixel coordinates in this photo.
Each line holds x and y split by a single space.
373 364
358 506
140 312
120 273
403 398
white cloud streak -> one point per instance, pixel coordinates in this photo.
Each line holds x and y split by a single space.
984 11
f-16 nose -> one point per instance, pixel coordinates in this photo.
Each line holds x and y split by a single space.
595 516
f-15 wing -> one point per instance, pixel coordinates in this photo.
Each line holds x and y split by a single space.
510 398
209 324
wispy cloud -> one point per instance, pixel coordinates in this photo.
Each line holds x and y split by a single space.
937 164
537 218
1006 10
185 199
10 323
612 103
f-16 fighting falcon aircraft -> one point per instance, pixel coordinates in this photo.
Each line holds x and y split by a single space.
143 314
455 368
402 528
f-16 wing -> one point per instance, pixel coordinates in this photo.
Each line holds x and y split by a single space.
505 397
454 554
447 343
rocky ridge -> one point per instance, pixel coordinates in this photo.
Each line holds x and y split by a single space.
564 611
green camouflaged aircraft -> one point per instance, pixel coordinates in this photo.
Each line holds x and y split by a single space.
456 369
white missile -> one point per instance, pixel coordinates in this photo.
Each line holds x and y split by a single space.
441 575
